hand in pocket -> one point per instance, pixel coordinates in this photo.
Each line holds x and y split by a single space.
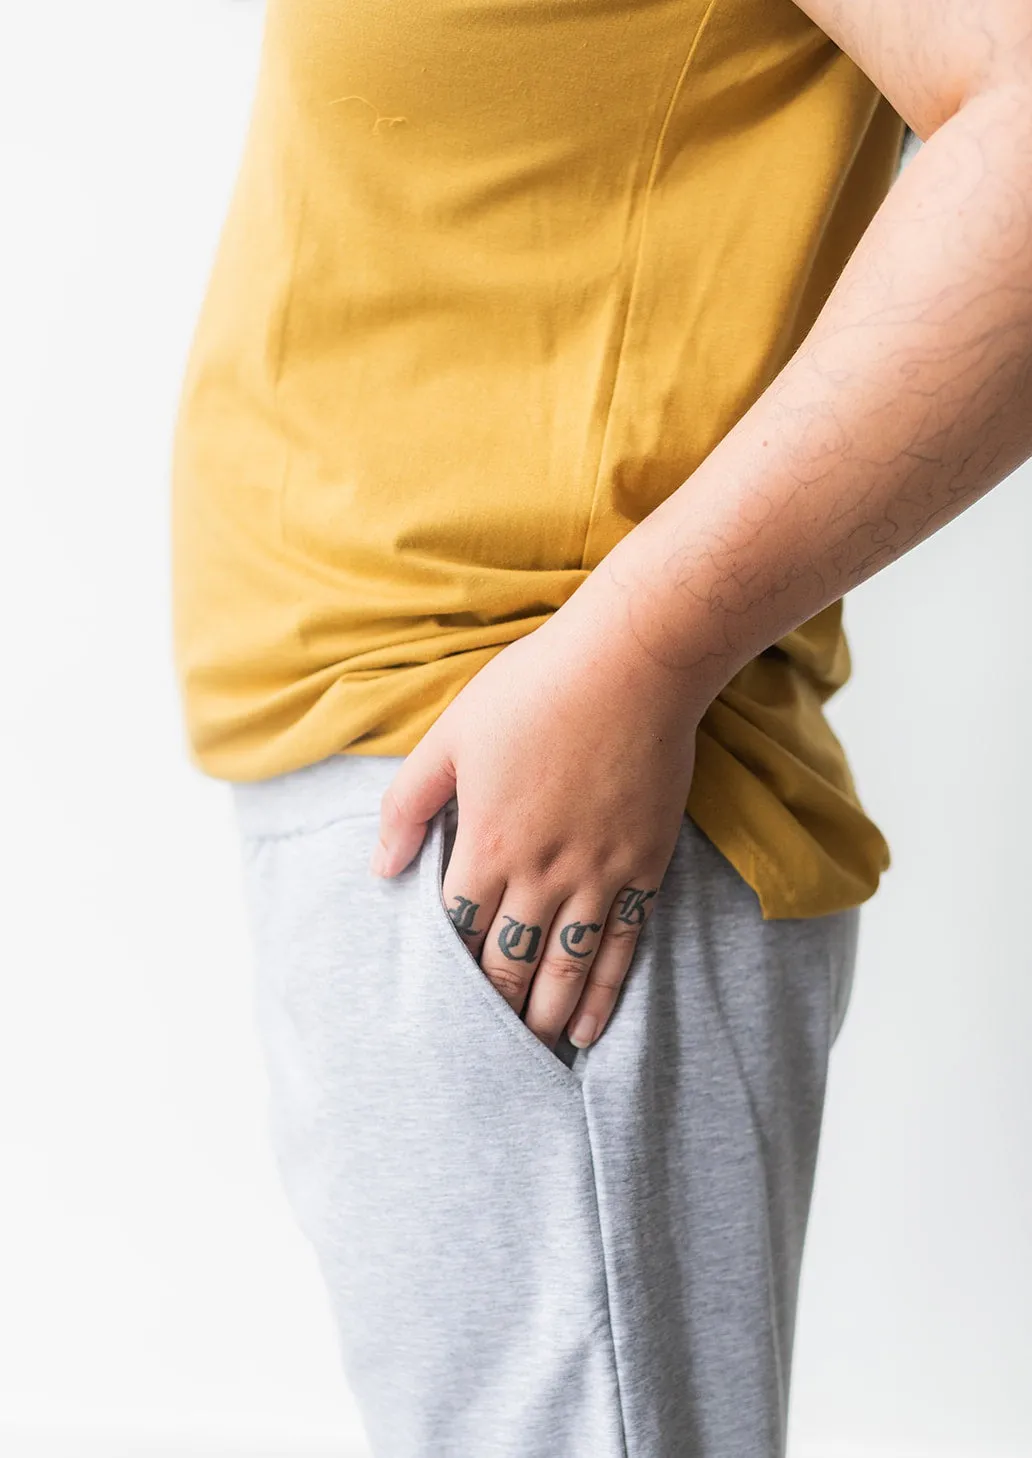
570 755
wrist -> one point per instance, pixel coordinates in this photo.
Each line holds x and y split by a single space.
626 626
675 626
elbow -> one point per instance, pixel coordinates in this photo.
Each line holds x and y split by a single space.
1006 82
997 75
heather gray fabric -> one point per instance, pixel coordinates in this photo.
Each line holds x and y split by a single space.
579 1254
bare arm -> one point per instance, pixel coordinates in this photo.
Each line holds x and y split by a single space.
571 750
912 394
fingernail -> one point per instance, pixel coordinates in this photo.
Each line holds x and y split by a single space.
378 864
583 1032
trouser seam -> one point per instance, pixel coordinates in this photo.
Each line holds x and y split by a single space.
624 1453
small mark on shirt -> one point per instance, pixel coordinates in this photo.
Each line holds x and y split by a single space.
388 120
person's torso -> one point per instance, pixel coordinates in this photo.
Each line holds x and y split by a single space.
494 280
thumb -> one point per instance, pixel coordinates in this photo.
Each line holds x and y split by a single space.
424 783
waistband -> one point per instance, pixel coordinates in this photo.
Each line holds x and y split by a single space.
304 799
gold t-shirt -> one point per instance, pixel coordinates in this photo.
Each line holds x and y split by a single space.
494 280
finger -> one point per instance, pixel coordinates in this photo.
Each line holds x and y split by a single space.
575 936
424 782
515 940
471 893
631 909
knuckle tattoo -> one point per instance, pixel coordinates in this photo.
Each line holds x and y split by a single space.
631 907
463 914
518 941
573 935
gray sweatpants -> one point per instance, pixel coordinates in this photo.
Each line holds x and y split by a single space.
534 1254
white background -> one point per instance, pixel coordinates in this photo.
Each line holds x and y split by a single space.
155 1297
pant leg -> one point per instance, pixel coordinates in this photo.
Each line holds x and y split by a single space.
589 1253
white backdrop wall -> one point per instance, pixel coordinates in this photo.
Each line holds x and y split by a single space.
155 1297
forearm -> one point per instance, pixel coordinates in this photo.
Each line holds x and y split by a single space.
910 397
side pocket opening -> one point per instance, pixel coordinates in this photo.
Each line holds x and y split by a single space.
526 1043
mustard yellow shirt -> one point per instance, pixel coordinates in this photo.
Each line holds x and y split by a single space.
494 279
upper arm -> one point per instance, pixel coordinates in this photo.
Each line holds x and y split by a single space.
929 56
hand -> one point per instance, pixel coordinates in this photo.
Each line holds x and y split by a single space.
570 754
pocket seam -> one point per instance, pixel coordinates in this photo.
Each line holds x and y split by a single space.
843 973
515 1029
